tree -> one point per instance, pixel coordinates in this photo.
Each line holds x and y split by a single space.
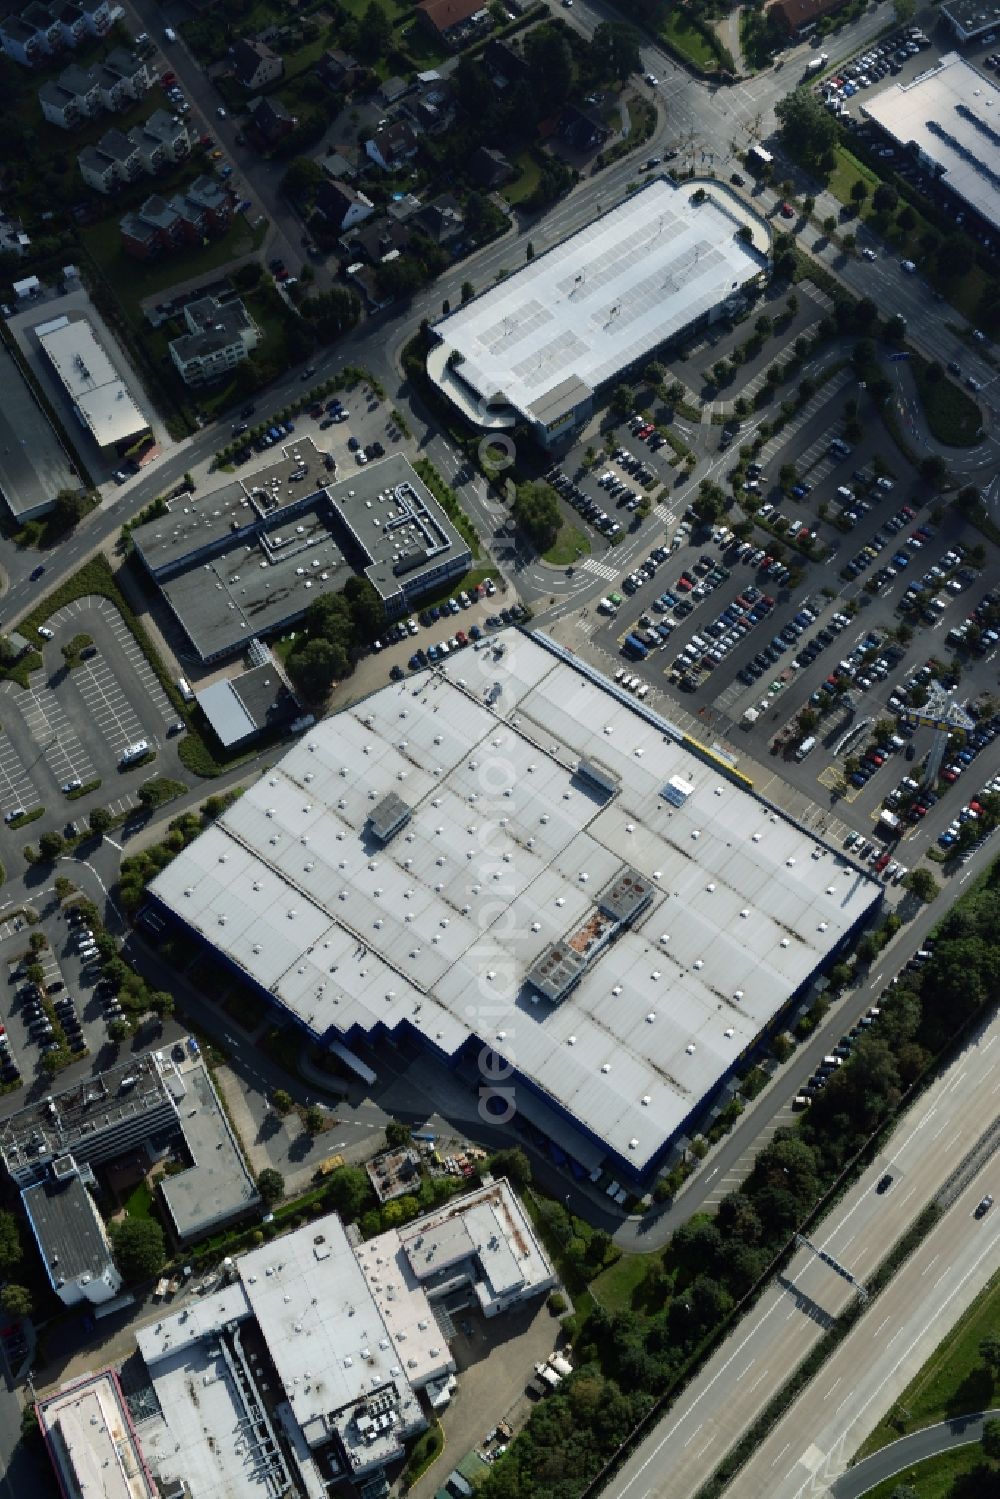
904 1491
316 665
119 1029
885 198
271 1186
550 63
16 1300
536 511
989 1352
903 11
139 1248
371 37
514 1165
161 1002
848 242
349 1192
991 1440
314 1119
615 50
281 1102
922 884
829 224
99 820
807 131
51 845
622 400
859 190
932 468
10 1244
302 178
468 292
397 1134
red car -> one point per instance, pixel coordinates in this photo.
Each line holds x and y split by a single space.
684 583
167 79
787 211
461 637
281 275
881 862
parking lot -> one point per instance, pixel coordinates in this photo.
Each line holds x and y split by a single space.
71 726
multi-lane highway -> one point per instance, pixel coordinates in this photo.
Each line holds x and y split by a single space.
814 1441
769 1343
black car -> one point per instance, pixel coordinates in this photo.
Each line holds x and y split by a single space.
884 1183
248 410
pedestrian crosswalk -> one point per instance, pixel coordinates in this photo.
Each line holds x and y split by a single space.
664 513
602 569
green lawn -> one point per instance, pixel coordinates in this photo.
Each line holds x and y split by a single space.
134 280
678 31
953 417
524 185
569 546
953 1381
617 1287
139 1202
936 1478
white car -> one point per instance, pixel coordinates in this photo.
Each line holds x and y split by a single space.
652 80
907 266
869 254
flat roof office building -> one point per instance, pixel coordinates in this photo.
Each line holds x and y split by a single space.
538 347
947 119
509 853
103 404
142 1104
247 559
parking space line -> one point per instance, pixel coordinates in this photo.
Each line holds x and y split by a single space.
50 727
16 787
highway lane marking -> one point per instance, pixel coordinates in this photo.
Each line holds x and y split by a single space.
989 1043
928 1267
747 1369
686 1444
830 1391
781 1454
880 1326
760 1376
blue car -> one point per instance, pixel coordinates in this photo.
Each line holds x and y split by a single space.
475 633
799 491
900 559
946 840
859 779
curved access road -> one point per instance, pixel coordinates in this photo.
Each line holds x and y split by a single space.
916 1447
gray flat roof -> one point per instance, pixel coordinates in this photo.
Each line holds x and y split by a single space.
952 113
237 561
973 15
237 707
68 1229
34 466
600 300
98 392
218 1184
508 850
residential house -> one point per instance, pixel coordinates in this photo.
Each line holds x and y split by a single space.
22 43
392 145
81 93
41 31
13 240
164 138
489 169
99 15
441 220
72 22
341 206
382 240
134 73
581 130
60 106
255 65
271 119
797 15
115 159
221 335
392 90
340 71
454 22
204 209
432 107
49 27
502 63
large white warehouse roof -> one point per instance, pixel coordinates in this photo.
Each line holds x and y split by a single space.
542 808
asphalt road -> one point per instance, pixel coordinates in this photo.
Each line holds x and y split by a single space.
903 1455
768 1344
886 1349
